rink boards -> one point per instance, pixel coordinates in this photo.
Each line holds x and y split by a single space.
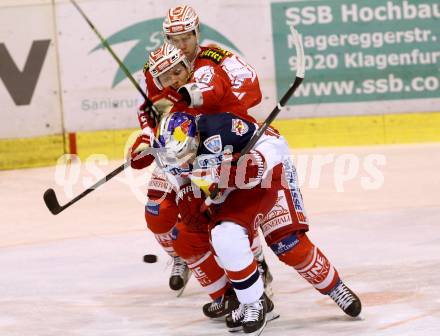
300 133
61 92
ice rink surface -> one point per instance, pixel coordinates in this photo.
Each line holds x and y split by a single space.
81 272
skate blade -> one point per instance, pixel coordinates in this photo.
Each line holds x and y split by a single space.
273 315
219 319
259 331
234 330
270 316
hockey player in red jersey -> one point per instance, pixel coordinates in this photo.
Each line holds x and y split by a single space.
181 28
219 81
203 151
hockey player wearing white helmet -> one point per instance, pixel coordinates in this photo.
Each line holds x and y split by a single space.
169 67
181 28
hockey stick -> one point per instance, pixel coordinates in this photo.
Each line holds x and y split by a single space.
284 99
50 198
156 114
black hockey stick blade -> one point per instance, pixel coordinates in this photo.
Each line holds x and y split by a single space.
50 198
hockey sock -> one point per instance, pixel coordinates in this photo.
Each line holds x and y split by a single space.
165 240
210 275
161 217
298 251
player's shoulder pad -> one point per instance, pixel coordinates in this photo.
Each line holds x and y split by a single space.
223 129
215 54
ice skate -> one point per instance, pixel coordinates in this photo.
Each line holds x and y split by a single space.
234 321
222 306
180 274
346 299
254 319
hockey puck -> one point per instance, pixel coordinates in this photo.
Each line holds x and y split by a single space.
150 258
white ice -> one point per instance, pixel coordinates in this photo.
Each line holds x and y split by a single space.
81 272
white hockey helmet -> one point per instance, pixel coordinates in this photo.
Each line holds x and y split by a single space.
180 20
164 59
177 133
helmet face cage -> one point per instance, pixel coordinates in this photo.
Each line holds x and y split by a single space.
179 20
163 59
178 135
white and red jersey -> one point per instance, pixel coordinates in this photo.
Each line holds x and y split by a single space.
228 83
242 77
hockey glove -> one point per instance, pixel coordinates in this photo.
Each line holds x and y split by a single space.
189 208
145 114
191 93
142 142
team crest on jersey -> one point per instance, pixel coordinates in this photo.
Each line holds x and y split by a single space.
239 127
214 144
292 180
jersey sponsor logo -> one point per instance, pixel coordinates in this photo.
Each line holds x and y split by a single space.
214 144
279 216
201 276
174 233
258 221
177 171
318 271
216 55
239 127
208 161
165 240
285 245
153 208
292 180
146 67
160 185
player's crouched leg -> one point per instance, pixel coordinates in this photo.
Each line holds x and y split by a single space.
298 251
161 216
194 248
